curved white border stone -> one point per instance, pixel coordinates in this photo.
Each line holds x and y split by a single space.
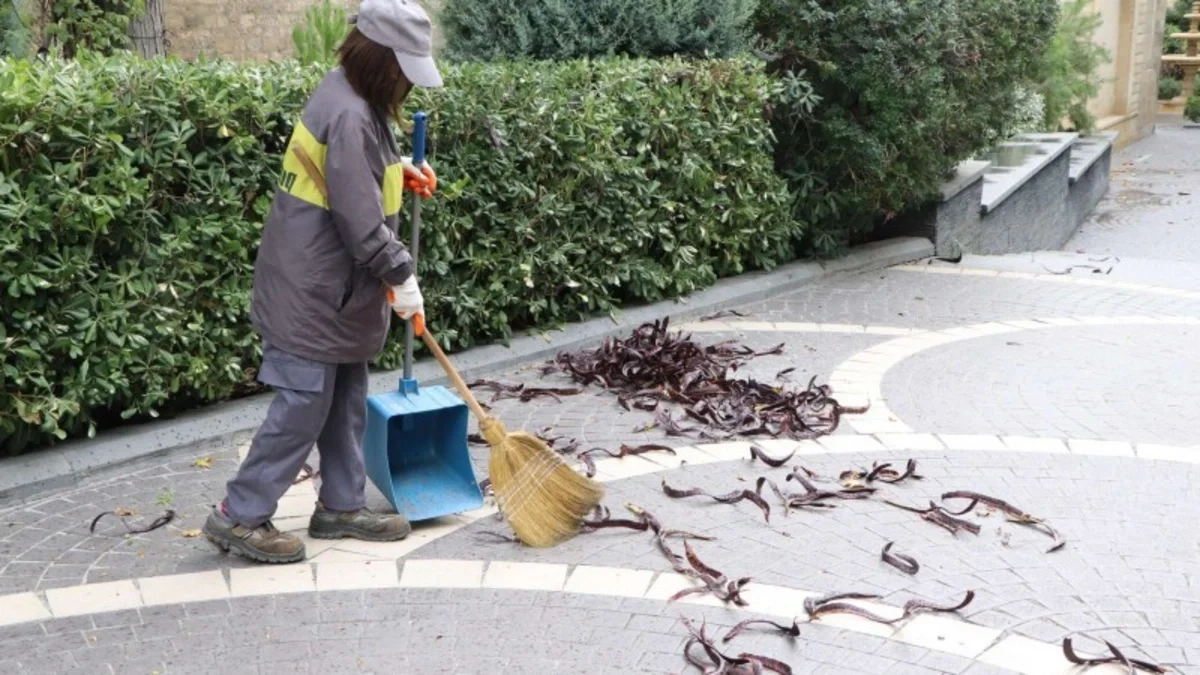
925 268
858 380
356 565
948 634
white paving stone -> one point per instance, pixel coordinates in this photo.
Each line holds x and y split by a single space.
1101 448
1030 657
1026 324
944 634
21 608
1061 321
972 442
271 580
851 443
810 447
910 442
336 555
708 327
776 600
668 584
292 524
525 576
1032 444
314 547
351 576
611 468
879 427
797 327
612 581
727 451
888 330
754 326
857 624
179 588
442 574
298 506
841 328
422 533
683 455
1171 453
109 596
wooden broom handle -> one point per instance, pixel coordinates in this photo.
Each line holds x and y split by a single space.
419 328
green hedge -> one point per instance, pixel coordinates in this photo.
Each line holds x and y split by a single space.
481 30
883 98
133 194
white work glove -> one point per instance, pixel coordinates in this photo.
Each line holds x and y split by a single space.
406 299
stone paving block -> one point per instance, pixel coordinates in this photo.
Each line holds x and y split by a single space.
335 576
271 580
609 581
93 598
183 588
947 635
525 576
20 608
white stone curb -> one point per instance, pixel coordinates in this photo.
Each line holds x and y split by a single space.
858 380
367 565
921 268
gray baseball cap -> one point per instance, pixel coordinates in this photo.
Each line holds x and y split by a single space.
405 27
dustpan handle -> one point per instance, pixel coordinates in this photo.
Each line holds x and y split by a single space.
451 371
420 120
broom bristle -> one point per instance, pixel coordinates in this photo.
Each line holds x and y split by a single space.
543 498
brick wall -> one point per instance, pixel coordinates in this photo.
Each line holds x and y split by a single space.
244 30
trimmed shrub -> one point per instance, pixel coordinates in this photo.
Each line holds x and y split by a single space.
1191 110
482 30
133 194
1169 88
900 92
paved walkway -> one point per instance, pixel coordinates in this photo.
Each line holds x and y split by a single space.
1070 395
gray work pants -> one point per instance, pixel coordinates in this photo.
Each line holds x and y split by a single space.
321 403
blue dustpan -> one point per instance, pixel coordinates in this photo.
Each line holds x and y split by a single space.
415 444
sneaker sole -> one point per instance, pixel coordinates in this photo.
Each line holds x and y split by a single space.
347 533
241 549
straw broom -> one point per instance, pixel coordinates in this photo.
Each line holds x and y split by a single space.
541 496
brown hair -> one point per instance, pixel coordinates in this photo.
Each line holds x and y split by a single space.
374 73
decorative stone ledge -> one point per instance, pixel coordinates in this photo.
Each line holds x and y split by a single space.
1029 194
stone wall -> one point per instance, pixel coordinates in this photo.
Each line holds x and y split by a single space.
243 30
1132 32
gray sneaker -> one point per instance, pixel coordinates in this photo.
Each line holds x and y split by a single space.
363 524
263 543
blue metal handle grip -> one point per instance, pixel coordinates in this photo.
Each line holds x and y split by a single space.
420 121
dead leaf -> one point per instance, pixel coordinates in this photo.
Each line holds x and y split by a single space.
190 534
124 513
203 463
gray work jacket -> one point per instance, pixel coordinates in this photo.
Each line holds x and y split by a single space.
321 268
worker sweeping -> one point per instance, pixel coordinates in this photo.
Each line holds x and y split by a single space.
329 257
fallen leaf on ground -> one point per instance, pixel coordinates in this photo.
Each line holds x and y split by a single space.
203 463
124 513
190 534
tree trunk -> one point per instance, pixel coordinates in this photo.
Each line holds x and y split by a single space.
146 32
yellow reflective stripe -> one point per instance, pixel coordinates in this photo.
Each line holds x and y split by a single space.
393 189
295 180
